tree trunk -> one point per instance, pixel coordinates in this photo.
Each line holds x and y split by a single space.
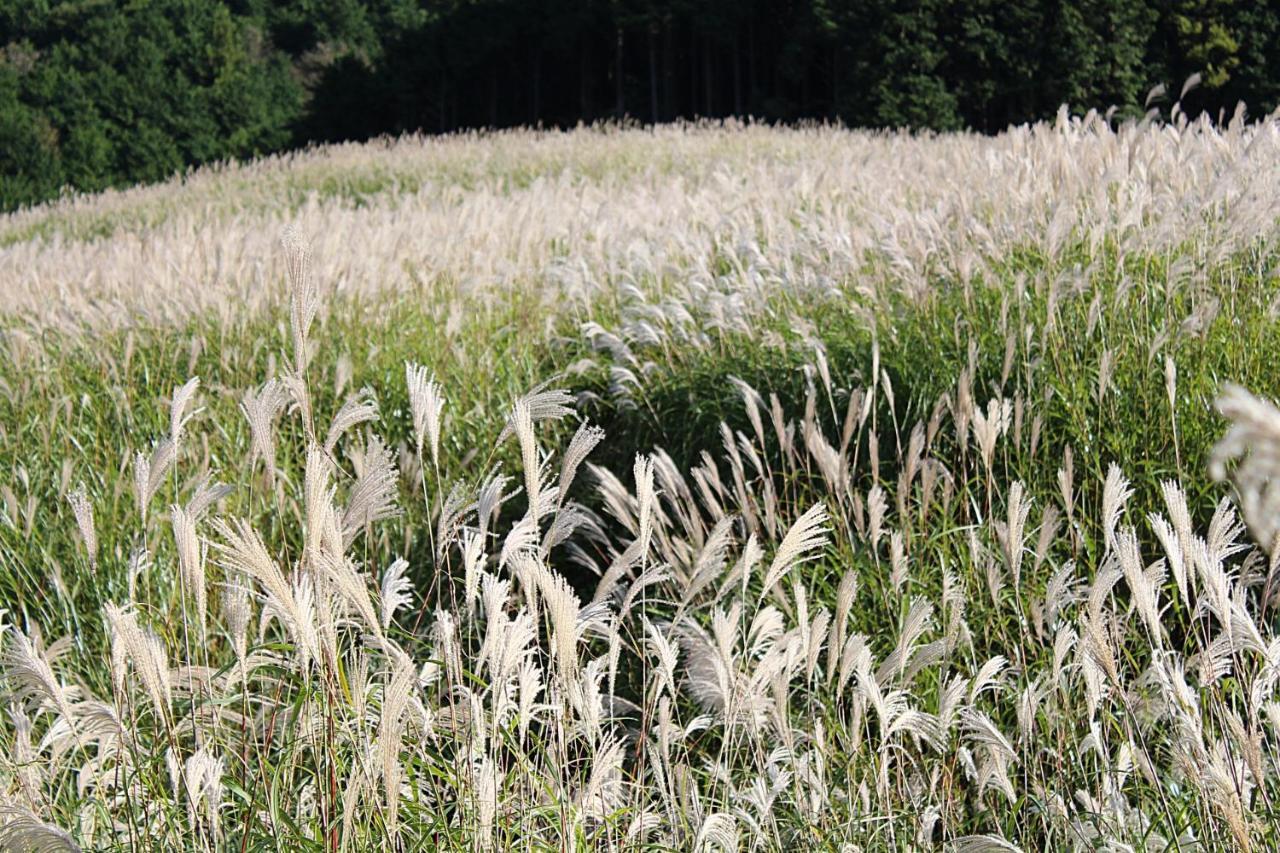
834 110
804 89
668 71
693 71
537 86
443 105
622 106
653 73
493 98
584 84
706 77
737 75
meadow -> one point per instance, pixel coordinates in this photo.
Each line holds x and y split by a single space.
707 487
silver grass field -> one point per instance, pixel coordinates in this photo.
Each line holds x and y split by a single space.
712 487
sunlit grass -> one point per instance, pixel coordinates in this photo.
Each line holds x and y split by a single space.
899 534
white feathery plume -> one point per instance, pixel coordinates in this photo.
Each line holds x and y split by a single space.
191 553
846 591
767 626
1106 364
29 669
351 585
807 535
139 562
1029 702
539 405
1060 592
984 732
30 775
988 426
396 698
261 409
645 501
1174 555
753 403
449 519
710 560
951 700
1048 533
206 494
521 540
834 467
473 559
531 687
568 519
618 502
489 500
718 831
82 509
982 844
243 551
739 577
897 561
562 607
708 672
653 575
817 638
1115 494
1222 539
373 497
426 405
304 298
149 473
1253 444
321 531
987 677
522 423
202 782
602 796
238 612
667 654
583 442
486 800
133 644
1063 643
21 830
179 417
1014 530
395 591
358 409
877 506
1175 501
918 620
300 393
895 714
1143 592
1190 83
1066 484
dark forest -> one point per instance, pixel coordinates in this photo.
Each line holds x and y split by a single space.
101 93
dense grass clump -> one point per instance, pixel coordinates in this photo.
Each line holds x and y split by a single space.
837 524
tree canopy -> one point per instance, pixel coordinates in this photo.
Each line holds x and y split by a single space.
101 93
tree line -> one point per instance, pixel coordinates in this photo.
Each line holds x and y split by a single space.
100 93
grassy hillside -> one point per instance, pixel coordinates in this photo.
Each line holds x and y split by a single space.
754 488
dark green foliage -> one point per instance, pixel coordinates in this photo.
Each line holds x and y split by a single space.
102 93
96 93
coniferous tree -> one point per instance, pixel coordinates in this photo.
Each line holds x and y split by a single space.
98 93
